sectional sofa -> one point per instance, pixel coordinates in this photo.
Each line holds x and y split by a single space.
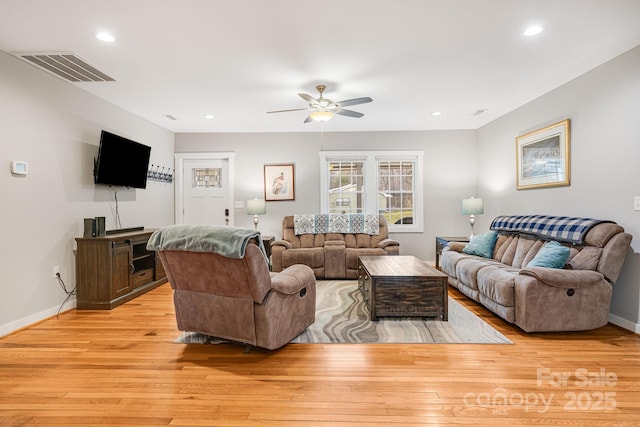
510 270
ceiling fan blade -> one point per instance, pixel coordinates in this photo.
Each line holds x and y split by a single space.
308 119
354 101
310 99
349 113
286 111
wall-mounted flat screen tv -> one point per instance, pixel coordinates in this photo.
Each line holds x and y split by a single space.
121 162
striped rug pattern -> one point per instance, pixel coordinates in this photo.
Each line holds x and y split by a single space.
342 317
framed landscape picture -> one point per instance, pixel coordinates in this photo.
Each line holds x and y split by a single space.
279 182
542 157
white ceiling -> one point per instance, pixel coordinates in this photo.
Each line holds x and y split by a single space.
239 59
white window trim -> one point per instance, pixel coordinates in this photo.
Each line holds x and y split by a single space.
370 159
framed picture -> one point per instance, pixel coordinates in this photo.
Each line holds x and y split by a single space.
542 157
279 182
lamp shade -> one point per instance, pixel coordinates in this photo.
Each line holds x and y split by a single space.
256 207
321 116
472 206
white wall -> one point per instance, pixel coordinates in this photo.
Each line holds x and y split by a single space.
604 108
55 127
449 174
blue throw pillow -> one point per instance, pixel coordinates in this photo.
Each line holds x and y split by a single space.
482 245
551 255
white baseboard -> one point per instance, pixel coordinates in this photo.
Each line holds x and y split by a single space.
624 323
10 327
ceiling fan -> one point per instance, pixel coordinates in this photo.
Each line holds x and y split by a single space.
323 109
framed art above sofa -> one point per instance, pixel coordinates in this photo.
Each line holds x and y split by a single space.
543 157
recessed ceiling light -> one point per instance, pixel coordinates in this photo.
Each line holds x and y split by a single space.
208 116
105 37
533 30
436 113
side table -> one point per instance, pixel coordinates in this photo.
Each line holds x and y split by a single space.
442 242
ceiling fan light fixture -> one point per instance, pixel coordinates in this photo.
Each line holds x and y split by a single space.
323 109
321 116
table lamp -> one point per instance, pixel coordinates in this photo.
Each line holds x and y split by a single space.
256 207
472 207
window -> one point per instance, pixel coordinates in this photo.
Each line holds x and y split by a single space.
396 186
346 186
206 177
389 183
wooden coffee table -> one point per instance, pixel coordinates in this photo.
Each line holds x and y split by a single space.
402 286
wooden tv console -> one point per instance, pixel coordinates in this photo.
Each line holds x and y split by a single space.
113 269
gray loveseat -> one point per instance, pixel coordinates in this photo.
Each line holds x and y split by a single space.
537 299
331 255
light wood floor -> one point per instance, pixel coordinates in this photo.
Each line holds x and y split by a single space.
120 367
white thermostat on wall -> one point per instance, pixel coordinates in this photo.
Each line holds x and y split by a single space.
19 168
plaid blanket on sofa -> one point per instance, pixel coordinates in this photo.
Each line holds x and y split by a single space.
560 228
336 223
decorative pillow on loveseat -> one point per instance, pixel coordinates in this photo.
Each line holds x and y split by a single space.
551 255
482 245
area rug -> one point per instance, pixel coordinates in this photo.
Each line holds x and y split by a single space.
342 317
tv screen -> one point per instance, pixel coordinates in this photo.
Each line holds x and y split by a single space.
121 162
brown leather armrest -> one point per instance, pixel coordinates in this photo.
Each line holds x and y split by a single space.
566 279
292 279
284 243
387 242
455 246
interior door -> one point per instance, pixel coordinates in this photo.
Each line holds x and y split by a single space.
204 188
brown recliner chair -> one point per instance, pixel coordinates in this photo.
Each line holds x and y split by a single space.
234 297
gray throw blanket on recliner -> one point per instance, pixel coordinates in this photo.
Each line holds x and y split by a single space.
227 241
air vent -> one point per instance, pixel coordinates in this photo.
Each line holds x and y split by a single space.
68 66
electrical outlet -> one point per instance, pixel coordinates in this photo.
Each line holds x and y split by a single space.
636 203
56 271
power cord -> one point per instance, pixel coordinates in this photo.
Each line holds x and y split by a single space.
66 291
118 222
